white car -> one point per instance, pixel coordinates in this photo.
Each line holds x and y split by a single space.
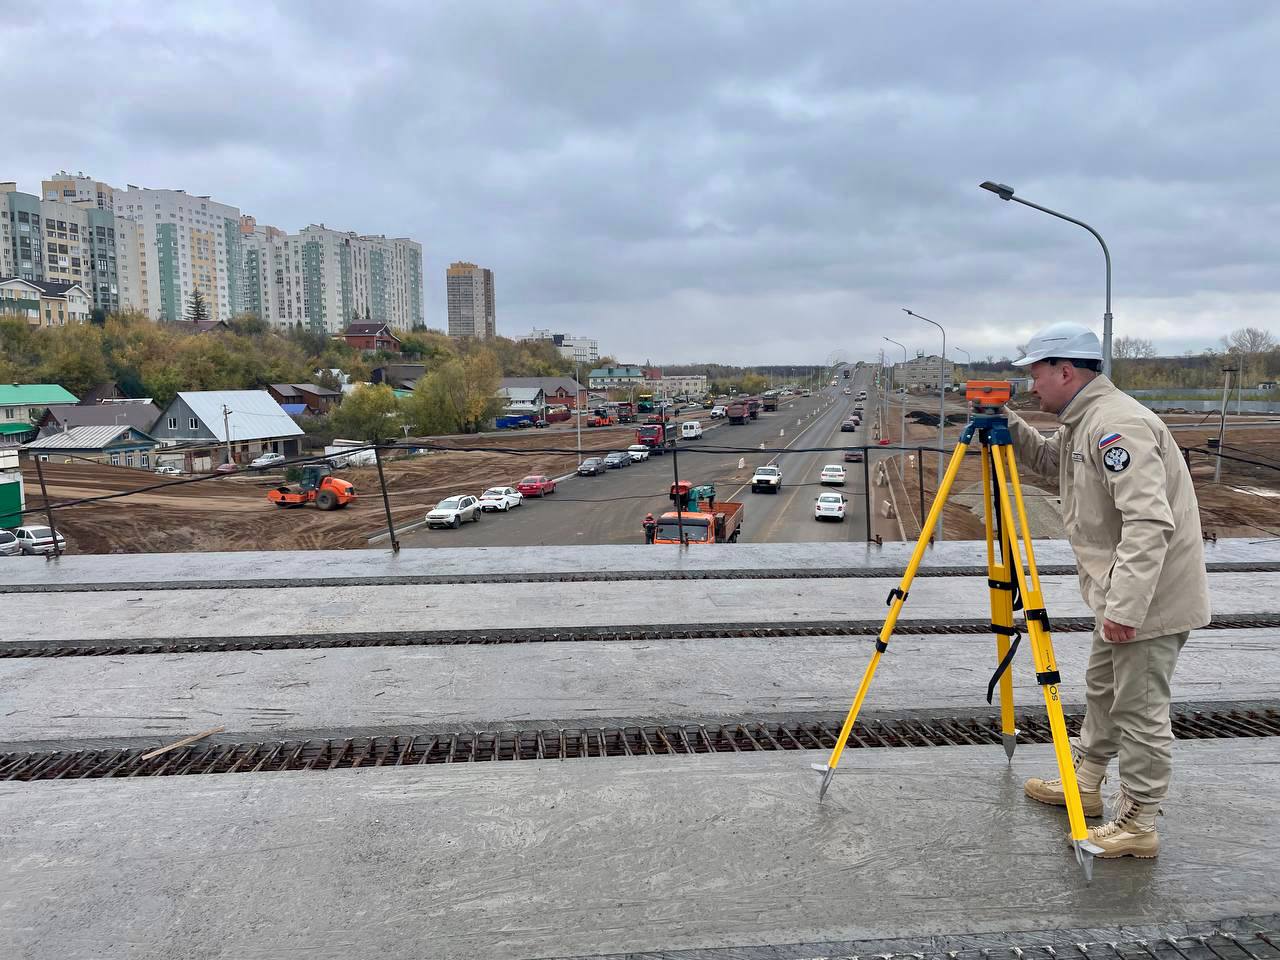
168 470
766 478
829 506
638 452
717 412
9 544
451 511
501 498
691 430
35 540
832 474
266 461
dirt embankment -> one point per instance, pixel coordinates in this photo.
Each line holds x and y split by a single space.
1244 502
233 513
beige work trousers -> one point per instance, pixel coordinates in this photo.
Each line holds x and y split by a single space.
1127 711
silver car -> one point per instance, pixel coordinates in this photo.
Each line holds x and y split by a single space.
38 540
451 511
9 545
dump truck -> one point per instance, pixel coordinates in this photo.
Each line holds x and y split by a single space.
736 412
719 521
318 486
626 412
655 437
770 403
753 408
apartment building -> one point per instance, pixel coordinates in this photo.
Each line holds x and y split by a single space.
924 372
323 278
77 188
470 301
184 243
581 349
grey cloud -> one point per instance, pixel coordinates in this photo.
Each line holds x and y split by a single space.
775 172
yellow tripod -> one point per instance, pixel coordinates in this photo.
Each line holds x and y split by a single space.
1006 579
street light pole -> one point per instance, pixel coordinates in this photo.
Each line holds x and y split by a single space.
967 357
942 404
577 403
902 433
1005 192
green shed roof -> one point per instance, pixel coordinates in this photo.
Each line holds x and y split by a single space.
11 429
34 395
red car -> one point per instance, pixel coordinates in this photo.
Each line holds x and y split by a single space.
536 486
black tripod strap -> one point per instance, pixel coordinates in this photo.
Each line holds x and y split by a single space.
1008 657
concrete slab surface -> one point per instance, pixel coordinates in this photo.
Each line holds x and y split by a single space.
285 566
162 614
542 859
79 701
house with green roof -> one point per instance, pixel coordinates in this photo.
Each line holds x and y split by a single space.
22 404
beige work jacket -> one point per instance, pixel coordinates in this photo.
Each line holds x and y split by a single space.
1129 508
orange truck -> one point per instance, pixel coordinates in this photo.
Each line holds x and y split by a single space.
720 522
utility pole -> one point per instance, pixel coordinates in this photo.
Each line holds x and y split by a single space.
1222 422
226 429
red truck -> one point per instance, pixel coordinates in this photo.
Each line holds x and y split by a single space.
736 412
720 524
626 412
655 437
753 408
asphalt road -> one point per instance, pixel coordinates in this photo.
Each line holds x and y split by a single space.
608 508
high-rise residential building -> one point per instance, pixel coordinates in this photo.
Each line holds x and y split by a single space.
582 349
129 265
185 243
470 295
324 279
77 188
60 242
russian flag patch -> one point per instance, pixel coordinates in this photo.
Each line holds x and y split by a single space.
1108 440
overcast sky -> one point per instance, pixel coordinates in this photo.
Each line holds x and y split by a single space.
735 182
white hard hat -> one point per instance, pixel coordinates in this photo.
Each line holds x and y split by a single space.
1071 341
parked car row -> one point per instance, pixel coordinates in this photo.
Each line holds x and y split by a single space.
29 540
465 508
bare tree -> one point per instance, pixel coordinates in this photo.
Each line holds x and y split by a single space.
1132 348
1248 341
1247 344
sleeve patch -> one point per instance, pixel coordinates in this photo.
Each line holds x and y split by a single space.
1116 459
1108 440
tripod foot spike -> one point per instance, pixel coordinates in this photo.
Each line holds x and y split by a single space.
1085 852
1010 742
828 774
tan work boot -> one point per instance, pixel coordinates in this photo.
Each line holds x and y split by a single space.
1131 832
1089 777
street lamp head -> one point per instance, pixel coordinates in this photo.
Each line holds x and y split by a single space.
1003 191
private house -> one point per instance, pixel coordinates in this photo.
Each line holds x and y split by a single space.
250 420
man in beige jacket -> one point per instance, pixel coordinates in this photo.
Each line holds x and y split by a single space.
1131 515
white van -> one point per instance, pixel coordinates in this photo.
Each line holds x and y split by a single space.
691 430
717 412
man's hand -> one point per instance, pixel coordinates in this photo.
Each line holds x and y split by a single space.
1114 632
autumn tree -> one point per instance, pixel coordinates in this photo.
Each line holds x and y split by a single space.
458 396
370 413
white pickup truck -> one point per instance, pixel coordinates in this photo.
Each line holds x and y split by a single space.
766 478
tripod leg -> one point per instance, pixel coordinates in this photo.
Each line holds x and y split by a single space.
897 597
1001 583
1037 620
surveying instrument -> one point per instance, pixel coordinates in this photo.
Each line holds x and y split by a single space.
1012 587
